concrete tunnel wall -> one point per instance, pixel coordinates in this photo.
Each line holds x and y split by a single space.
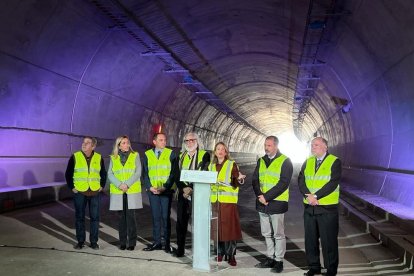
371 65
65 74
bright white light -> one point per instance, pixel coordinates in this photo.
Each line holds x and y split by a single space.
290 146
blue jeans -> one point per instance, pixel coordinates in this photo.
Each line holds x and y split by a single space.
80 202
161 210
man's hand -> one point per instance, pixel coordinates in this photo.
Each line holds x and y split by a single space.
154 191
74 191
312 200
262 200
161 190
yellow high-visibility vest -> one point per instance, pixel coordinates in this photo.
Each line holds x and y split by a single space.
270 176
315 181
84 178
159 169
186 161
123 173
224 194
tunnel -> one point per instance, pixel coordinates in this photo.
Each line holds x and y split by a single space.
234 71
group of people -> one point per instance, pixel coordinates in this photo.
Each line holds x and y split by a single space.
160 173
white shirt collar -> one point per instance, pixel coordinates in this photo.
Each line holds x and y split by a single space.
271 157
321 158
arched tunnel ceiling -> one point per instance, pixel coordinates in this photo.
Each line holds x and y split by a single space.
230 70
57 55
245 52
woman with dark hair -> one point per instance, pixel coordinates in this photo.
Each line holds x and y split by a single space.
224 197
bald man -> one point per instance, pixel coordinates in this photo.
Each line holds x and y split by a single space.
319 184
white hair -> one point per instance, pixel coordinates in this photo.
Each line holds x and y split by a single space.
199 142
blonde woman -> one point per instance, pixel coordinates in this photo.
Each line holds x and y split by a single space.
124 173
224 197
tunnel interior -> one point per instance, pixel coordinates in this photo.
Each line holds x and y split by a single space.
231 71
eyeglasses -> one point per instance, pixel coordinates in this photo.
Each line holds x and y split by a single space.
190 140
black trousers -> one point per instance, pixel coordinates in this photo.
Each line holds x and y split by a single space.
127 225
324 226
184 209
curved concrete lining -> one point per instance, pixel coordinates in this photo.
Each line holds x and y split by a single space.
73 68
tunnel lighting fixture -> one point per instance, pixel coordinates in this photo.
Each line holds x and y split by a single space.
203 92
312 64
306 89
347 108
299 98
175 71
191 83
309 78
317 25
150 53
332 14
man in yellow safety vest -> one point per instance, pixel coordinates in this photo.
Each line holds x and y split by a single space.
270 182
86 177
159 172
192 157
319 184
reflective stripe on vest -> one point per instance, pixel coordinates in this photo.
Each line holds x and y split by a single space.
224 194
159 169
85 179
315 181
123 173
269 176
187 161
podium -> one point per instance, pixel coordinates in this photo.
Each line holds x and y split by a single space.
201 215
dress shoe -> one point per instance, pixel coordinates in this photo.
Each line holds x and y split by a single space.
268 263
312 272
152 247
278 267
232 261
131 248
94 246
219 258
167 249
79 245
122 247
178 254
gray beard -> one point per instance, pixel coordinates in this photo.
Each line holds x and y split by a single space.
188 149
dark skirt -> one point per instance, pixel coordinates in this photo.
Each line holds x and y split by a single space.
228 219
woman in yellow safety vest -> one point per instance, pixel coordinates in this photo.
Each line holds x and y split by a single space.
124 172
224 196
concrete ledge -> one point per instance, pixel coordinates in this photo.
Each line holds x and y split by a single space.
396 233
23 196
380 207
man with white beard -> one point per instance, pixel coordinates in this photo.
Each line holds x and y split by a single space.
192 157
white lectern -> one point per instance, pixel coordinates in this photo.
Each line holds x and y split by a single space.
201 215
